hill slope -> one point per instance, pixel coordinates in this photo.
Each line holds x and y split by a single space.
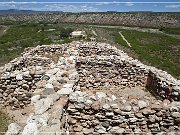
141 19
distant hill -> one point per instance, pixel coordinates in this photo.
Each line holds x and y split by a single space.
141 19
15 11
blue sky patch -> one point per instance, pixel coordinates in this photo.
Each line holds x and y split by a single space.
92 5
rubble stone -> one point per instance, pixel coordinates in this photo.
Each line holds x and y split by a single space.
30 129
142 104
13 129
43 105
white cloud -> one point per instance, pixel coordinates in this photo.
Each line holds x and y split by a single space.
129 4
115 2
103 3
50 7
172 6
7 5
68 8
84 6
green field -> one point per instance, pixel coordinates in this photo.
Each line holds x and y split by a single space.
20 36
175 31
158 50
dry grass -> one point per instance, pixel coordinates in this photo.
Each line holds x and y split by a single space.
4 122
53 57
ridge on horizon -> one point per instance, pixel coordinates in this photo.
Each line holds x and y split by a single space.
24 11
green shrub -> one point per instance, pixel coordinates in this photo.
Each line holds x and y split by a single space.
65 32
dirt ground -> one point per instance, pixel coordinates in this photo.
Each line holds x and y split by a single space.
135 92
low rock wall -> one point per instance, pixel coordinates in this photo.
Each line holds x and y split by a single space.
101 66
110 71
104 113
163 84
26 74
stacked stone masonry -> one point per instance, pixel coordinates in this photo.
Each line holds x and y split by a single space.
24 75
63 85
104 113
101 66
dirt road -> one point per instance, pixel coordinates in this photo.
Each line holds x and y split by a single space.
3 29
150 30
120 33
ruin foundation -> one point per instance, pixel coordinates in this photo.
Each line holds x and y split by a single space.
75 88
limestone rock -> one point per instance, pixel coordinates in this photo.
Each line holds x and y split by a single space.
25 86
35 99
142 104
126 108
49 89
62 81
117 130
66 90
78 128
106 107
40 120
105 124
43 105
100 95
50 130
30 129
13 129
19 77
100 129
175 114
87 131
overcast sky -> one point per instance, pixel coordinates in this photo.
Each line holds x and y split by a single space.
93 5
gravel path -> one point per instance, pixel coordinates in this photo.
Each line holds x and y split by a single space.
3 30
149 30
124 39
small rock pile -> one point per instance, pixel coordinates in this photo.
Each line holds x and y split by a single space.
105 113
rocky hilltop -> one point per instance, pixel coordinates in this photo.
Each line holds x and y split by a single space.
140 19
87 88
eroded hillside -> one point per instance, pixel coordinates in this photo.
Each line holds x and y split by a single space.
128 19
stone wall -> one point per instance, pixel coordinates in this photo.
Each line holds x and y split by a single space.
104 113
101 66
163 84
26 74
